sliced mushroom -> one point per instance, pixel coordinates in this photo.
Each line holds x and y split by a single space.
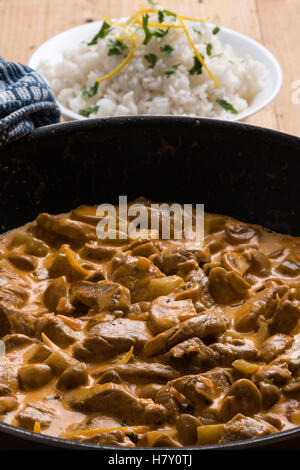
289 267
243 397
235 261
237 232
187 428
72 377
227 287
54 292
34 376
22 261
270 394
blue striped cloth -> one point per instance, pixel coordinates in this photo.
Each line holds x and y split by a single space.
26 102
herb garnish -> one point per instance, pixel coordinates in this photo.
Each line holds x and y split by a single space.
116 47
86 112
227 106
151 59
197 67
88 93
216 30
151 3
171 70
162 13
197 30
167 50
104 30
209 47
161 16
157 33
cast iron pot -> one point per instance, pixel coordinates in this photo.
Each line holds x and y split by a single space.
235 169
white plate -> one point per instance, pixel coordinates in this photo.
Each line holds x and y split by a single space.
51 50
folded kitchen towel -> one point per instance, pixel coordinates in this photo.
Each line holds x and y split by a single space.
26 102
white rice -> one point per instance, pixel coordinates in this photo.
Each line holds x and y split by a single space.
139 89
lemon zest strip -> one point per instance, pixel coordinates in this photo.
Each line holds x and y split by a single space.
127 356
92 432
122 65
197 53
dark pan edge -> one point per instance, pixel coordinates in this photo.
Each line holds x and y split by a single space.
60 443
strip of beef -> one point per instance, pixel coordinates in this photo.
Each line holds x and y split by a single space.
36 412
197 391
274 346
287 314
198 276
243 427
193 355
97 252
291 357
67 228
208 325
119 401
174 256
105 295
14 320
150 372
228 353
8 375
134 273
13 289
263 303
112 337
56 330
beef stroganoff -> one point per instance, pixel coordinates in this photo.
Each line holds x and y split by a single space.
149 342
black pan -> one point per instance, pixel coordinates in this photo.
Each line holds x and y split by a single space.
247 172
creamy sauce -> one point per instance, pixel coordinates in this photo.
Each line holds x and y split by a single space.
118 283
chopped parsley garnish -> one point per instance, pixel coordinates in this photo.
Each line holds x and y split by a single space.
197 67
149 34
86 112
161 16
197 30
104 30
160 33
167 50
162 13
88 93
227 106
152 3
209 47
151 59
171 70
216 30
170 13
116 47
